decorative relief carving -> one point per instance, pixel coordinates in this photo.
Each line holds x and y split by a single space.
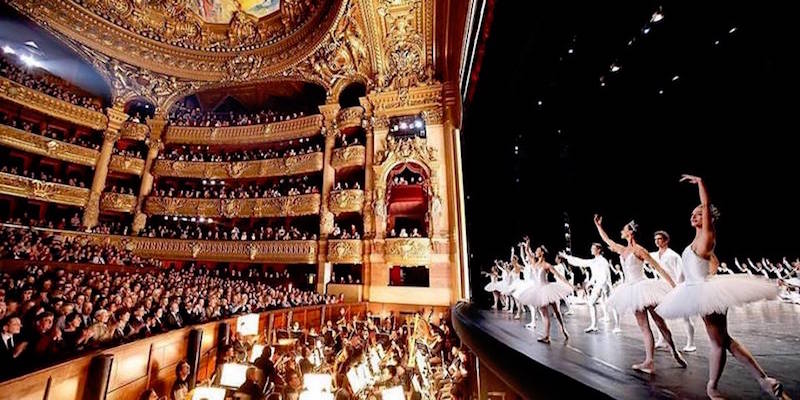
51 106
407 251
134 131
127 165
346 201
345 251
414 148
36 144
289 206
117 202
350 156
350 117
19 186
289 251
302 164
416 100
250 134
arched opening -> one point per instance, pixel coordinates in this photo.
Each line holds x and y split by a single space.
350 95
407 189
139 110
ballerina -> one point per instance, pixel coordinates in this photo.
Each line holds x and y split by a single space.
513 283
545 294
639 294
494 284
599 280
563 269
702 293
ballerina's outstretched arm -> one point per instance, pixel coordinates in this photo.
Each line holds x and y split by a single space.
642 253
557 274
614 246
713 264
576 261
704 242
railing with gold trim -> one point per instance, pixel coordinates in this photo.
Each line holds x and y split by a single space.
407 251
350 156
345 251
134 131
349 117
301 164
126 165
20 186
46 104
44 146
274 251
117 202
288 206
341 201
248 134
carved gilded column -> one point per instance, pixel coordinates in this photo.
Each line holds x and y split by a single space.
91 213
368 214
155 145
330 130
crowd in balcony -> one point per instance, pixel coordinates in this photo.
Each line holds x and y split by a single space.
185 115
129 152
73 223
292 186
404 233
76 181
205 154
207 229
347 185
30 127
42 81
47 246
122 189
50 314
348 140
345 233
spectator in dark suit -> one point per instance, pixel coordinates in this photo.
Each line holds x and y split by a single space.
9 348
174 319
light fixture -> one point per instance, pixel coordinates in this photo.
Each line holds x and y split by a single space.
166 218
31 43
732 30
418 123
646 30
539 103
205 182
210 221
660 91
213 182
193 219
614 68
570 51
403 125
657 16
174 218
202 219
675 78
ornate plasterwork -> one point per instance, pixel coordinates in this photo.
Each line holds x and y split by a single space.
249 134
117 202
19 186
341 201
407 251
425 100
289 206
350 117
345 251
36 144
49 105
350 156
126 165
302 164
134 131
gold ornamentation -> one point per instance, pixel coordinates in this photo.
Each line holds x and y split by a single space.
134 131
341 201
350 117
350 156
36 144
345 251
117 202
414 148
407 251
250 134
301 164
46 104
305 204
243 68
127 165
14 185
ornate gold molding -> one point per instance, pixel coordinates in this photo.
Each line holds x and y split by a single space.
249 134
134 131
117 202
19 186
350 156
350 117
46 104
127 165
345 251
301 164
341 201
407 251
425 100
289 206
289 251
36 144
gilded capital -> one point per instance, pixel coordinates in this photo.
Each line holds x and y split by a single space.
116 118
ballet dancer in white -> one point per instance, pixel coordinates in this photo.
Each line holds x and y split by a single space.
639 294
672 263
544 294
705 294
599 280
494 284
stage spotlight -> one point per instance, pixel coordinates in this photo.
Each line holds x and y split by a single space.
646 30
403 125
174 218
657 16
418 123
614 68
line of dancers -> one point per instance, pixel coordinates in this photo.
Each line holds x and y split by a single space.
687 285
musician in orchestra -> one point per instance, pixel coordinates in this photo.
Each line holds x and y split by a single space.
293 387
251 386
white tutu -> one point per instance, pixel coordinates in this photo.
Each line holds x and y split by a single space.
635 296
521 287
715 295
509 288
542 295
492 287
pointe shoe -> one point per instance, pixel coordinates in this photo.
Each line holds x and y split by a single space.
772 387
545 340
566 335
494 307
661 345
517 316
679 359
590 329
617 330
647 368
713 393
689 349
